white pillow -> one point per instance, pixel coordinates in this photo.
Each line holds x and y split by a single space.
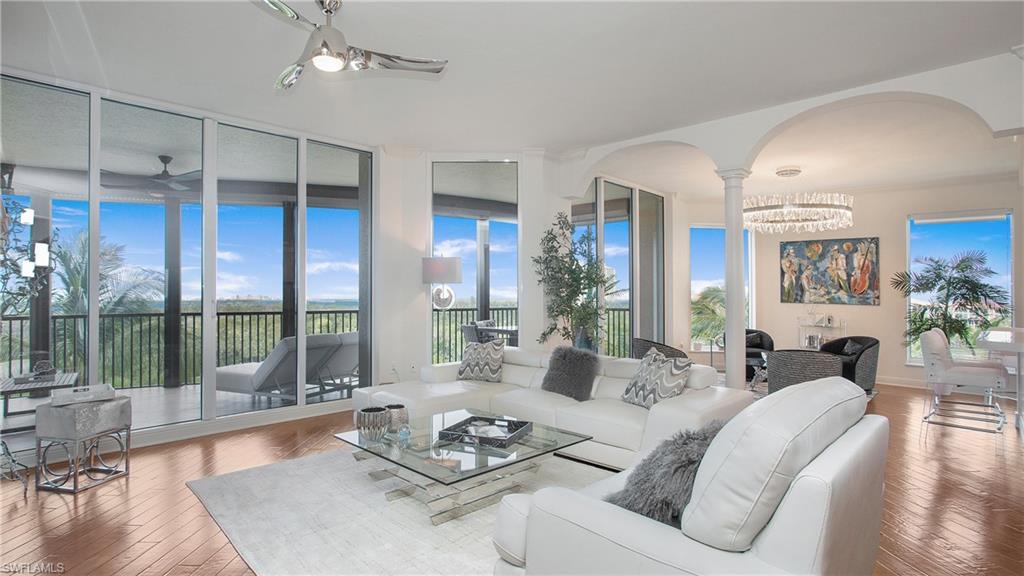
656 379
749 466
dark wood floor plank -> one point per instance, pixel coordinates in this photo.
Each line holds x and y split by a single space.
954 501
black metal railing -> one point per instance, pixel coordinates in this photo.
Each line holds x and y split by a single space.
132 351
618 331
446 327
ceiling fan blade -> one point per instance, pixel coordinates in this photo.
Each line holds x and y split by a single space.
285 12
290 76
188 176
362 59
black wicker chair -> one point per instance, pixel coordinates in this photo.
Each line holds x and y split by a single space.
789 367
641 346
859 355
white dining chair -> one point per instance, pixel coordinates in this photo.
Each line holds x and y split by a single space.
943 374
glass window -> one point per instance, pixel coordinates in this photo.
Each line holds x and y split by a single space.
44 160
650 292
618 255
707 286
337 307
981 244
476 220
150 176
257 196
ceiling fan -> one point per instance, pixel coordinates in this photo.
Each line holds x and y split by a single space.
175 182
328 50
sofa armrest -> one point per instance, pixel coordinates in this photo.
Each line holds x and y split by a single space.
691 410
570 533
440 372
701 376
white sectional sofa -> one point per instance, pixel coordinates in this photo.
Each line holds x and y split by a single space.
621 431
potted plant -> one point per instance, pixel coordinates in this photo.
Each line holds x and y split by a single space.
572 276
961 304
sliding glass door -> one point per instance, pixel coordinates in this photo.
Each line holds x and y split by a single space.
151 182
337 288
650 267
257 198
44 234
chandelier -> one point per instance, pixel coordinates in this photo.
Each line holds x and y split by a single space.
797 212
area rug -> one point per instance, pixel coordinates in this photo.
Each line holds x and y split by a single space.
323 514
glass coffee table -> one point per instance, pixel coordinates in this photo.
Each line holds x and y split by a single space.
453 479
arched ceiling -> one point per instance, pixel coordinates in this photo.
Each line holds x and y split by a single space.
556 75
853 147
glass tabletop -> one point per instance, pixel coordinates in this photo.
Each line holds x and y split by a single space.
449 462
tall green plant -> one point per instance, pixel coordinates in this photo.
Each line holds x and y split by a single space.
707 314
962 300
572 277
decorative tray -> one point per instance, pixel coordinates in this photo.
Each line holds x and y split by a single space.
486 431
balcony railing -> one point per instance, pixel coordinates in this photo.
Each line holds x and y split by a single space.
448 342
132 350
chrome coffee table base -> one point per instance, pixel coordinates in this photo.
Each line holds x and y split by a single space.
447 502
11 469
83 459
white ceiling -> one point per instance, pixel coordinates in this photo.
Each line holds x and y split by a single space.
552 75
485 180
857 147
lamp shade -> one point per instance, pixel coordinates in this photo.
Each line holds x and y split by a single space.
442 270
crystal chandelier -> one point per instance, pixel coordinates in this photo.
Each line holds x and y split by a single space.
797 212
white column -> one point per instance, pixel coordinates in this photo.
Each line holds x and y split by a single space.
209 388
735 335
93 311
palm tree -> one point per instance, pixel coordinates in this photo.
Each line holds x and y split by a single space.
962 302
707 314
123 290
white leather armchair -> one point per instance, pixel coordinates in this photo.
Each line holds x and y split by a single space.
944 374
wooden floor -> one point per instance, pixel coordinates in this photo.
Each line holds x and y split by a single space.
954 502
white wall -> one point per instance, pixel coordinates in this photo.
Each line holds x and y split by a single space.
881 213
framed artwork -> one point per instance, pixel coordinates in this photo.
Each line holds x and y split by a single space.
840 271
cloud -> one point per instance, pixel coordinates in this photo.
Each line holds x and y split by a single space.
338 293
615 250
69 211
504 293
502 247
331 266
698 286
455 247
229 285
229 256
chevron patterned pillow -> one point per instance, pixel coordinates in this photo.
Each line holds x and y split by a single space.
656 379
482 361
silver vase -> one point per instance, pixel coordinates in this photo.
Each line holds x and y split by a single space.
372 423
398 416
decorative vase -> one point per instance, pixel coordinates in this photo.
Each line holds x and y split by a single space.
398 416
584 341
372 423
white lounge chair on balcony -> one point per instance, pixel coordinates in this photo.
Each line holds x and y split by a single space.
274 377
340 371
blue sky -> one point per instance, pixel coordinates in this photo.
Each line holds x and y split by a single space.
707 258
946 239
249 252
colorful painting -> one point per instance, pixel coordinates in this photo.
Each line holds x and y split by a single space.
843 271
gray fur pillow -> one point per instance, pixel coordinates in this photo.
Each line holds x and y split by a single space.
660 485
572 373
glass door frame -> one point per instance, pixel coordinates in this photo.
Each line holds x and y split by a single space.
634 243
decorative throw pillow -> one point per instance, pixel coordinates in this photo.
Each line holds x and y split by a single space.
571 373
660 485
482 361
656 379
851 348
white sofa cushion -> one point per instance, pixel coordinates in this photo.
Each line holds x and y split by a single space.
426 399
609 421
749 466
520 357
531 404
519 375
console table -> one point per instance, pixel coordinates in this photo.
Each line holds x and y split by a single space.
1008 341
